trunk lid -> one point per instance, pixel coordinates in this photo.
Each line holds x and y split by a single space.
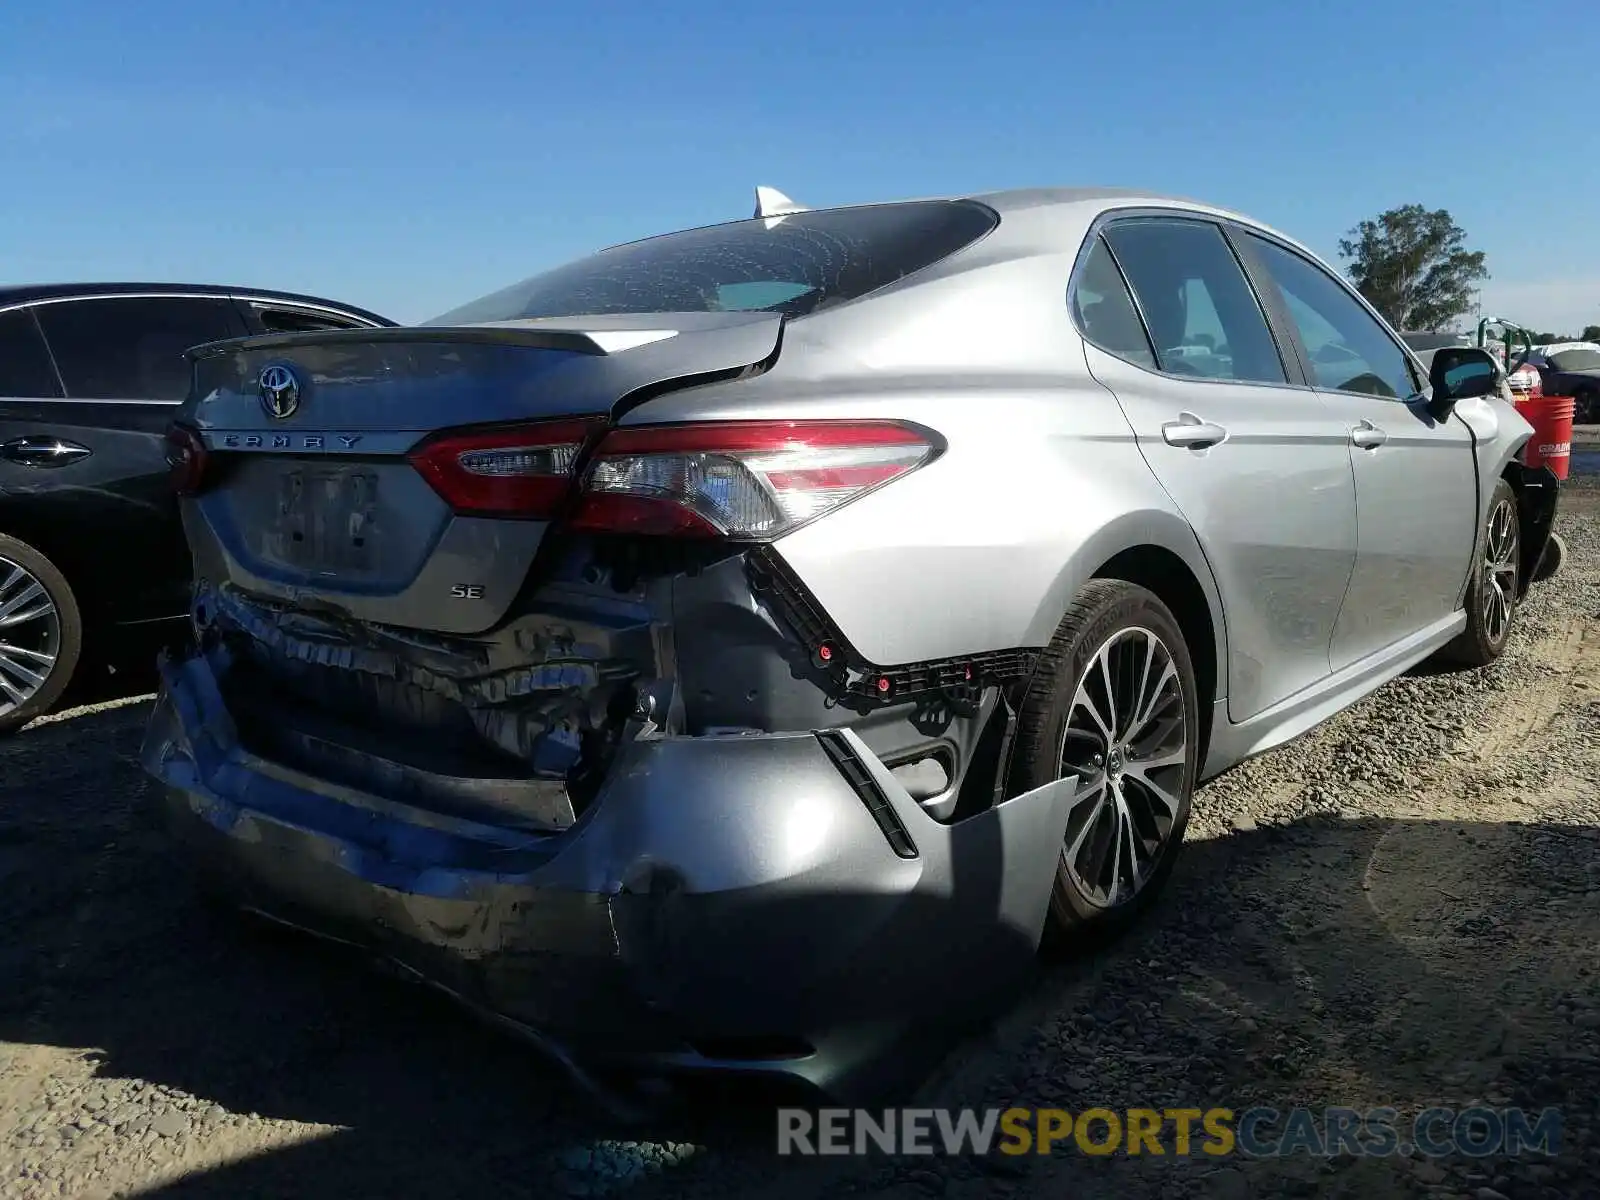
315 502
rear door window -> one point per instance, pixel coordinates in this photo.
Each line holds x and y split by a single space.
1197 304
132 348
25 369
1346 349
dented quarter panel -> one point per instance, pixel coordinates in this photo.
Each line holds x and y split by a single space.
740 667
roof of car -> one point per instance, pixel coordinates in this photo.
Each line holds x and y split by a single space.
26 293
1015 200
1074 203
1020 198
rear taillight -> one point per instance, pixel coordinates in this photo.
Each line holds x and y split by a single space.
187 459
748 480
512 471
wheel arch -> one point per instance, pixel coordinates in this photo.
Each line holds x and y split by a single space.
1155 549
1538 490
1500 437
1163 572
56 544
62 666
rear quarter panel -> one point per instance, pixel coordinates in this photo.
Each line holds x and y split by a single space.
984 548
1040 483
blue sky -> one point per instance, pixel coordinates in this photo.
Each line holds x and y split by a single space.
408 157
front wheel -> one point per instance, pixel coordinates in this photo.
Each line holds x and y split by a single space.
1114 705
1492 593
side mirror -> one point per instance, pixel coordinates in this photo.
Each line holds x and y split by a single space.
1460 373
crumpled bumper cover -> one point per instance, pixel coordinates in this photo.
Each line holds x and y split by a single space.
725 903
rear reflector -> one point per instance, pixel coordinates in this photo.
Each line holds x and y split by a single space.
747 480
509 471
187 459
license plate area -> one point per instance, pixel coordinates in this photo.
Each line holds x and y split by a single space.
326 520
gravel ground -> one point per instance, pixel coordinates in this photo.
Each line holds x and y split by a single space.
1401 909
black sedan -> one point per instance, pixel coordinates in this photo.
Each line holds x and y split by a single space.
89 532
1575 373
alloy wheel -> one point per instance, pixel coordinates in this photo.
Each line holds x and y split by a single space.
30 636
1126 742
1500 570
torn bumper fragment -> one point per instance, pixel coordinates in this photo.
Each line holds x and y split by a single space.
772 903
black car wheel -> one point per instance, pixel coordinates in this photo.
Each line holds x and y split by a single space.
41 634
1496 584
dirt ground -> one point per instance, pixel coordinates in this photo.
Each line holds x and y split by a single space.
1402 909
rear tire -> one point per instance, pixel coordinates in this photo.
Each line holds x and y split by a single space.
41 634
1496 579
1137 778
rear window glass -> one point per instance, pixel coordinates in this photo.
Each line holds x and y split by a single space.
1576 360
286 320
793 265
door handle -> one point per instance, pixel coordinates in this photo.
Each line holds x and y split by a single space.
1189 430
42 451
1368 436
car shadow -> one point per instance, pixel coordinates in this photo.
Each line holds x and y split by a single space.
117 664
1354 961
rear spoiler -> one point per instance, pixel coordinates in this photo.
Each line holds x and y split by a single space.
500 333
626 358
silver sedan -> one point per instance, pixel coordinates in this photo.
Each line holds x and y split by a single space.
740 649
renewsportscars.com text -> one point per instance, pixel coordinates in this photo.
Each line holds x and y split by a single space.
1255 1132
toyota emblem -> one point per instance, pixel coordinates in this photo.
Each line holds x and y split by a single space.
280 392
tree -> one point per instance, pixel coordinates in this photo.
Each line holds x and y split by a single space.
1413 267
1591 333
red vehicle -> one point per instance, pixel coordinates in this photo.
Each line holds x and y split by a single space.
1524 379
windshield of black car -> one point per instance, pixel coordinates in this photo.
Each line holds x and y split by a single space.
1576 360
792 265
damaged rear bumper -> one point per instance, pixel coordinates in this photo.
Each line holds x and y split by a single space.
771 903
